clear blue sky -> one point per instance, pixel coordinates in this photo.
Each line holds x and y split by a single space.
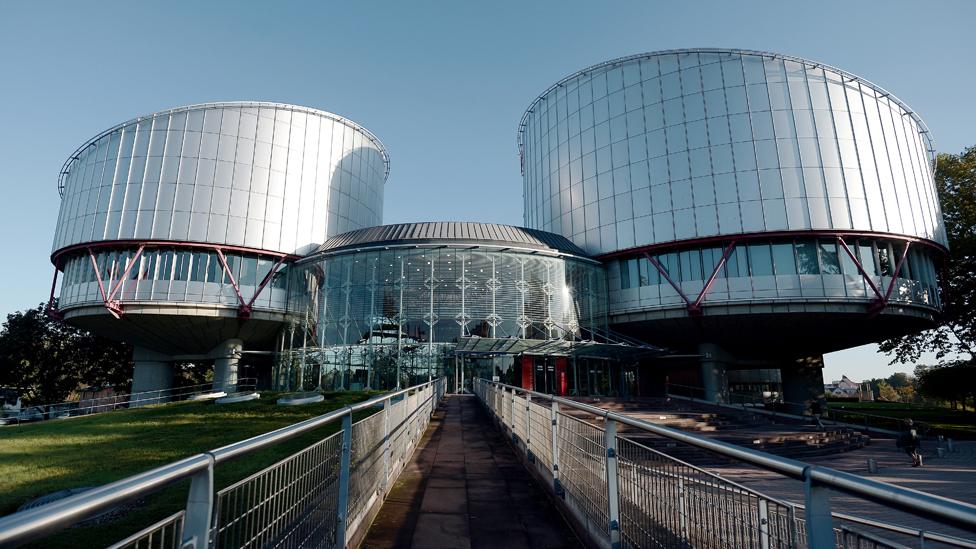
443 84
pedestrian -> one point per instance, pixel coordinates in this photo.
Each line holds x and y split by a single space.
908 440
817 410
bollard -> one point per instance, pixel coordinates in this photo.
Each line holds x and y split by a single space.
872 466
950 445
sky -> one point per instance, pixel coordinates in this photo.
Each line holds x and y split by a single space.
442 84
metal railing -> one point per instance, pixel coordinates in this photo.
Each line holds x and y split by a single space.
319 496
626 494
120 401
863 421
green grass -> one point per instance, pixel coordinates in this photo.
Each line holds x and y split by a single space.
952 423
41 458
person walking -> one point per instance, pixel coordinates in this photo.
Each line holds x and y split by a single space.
908 440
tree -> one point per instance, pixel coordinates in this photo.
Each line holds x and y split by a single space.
955 180
954 382
899 380
49 359
887 392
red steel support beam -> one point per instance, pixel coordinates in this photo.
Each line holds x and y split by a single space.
233 281
125 274
860 268
109 291
98 276
696 306
51 310
664 273
894 276
246 309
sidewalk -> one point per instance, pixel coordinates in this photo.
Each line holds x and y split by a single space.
465 488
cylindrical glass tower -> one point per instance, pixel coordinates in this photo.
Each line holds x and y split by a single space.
185 221
730 188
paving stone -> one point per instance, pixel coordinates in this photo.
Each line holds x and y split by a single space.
465 488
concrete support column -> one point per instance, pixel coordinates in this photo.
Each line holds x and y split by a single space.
226 356
803 385
713 366
153 372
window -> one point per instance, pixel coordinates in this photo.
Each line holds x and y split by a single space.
806 257
669 262
248 272
649 276
280 279
625 267
866 252
215 271
691 268
899 250
181 272
199 271
783 259
760 260
738 263
884 259
165 270
848 264
829 261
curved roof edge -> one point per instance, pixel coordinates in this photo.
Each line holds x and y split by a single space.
66 167
453 232
621 60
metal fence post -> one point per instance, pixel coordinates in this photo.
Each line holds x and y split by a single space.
554 417
342 509
683 509
763 524
199 509
386 445
528 427
820 526
613 482
511 418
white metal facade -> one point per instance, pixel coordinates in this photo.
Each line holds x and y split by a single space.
259 175
678 145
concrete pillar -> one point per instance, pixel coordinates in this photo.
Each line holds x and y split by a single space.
803 385
153 372
226 356
714 362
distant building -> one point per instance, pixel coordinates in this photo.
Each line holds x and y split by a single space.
848 388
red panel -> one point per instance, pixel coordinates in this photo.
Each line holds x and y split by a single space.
528 372
562 383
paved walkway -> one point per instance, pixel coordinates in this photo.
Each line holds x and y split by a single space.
464 488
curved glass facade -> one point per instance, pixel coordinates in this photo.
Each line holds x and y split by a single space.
776 269
671 146
362 317
173 275
259 175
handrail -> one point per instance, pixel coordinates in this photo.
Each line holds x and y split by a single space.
98 405
924 427
34 523
947 510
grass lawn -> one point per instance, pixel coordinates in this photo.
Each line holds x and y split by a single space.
952 423
37 459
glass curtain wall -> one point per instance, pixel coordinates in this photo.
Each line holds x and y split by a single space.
804 267
375 318
179 275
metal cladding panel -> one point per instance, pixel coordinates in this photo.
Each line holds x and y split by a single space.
452 232
680 145
258 175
